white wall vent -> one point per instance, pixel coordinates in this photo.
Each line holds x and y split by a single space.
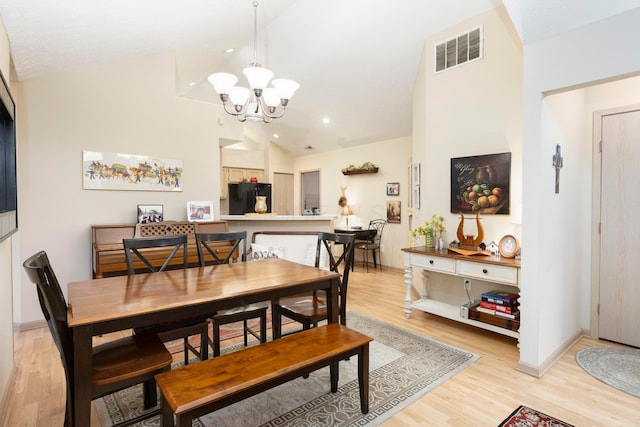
458 50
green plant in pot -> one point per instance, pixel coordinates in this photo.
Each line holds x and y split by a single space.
432 231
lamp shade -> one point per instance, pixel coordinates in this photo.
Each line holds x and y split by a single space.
239 95
258 77
285 87
270 96
222 82
346 210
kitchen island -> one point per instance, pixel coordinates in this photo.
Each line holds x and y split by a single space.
268 222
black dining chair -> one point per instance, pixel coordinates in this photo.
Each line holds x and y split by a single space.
117 364
311 308
372 243
150 260
207 250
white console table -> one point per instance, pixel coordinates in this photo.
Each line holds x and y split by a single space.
490 269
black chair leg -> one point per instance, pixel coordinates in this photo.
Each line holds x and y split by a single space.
216 339
246 333
263 328
186 350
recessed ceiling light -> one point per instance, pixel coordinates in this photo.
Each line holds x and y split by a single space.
326 120
192 84
229 50
276 136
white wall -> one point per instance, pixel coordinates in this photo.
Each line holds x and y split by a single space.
126 107
474 109
470 110
551 65
365 193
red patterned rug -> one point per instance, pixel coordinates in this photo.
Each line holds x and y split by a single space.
527 417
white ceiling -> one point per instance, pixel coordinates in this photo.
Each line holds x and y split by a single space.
356 60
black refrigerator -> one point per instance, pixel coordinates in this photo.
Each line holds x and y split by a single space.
242 197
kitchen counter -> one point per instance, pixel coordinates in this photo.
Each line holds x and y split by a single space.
269 217
267 222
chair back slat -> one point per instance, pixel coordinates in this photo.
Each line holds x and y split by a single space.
54 309
133 246
376 226
237 239
341 265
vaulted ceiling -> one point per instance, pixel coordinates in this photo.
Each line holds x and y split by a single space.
356 60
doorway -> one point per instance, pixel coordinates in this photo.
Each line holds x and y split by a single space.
615 180
310 187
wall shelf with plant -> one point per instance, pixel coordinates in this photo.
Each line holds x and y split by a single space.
367 167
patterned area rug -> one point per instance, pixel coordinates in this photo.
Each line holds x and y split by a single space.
527 417
615 366
403 367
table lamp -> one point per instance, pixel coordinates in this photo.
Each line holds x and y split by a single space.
346 211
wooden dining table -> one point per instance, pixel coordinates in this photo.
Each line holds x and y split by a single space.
101 306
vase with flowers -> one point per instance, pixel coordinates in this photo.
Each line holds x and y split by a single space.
433 232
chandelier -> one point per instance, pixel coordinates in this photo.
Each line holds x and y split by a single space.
260 103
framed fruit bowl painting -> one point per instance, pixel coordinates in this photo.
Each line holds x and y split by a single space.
480 184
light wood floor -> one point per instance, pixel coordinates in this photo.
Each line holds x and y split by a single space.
481 395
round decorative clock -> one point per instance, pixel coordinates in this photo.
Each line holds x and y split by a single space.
509 246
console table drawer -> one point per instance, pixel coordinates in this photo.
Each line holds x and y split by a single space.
488 272
435 263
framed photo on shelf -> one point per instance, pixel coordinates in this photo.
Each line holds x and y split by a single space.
393 188
200 211
150 213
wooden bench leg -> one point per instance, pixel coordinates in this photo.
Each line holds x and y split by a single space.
333 375
184 420
166 414
363 378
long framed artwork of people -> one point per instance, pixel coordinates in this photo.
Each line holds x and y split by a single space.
480 184
115 171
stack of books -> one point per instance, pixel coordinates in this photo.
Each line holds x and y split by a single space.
502 304
499 309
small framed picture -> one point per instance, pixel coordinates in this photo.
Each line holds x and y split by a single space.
393 212
393 188
416 196
150 213
200 211
416 174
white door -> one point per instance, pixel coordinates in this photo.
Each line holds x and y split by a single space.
620 229
282 197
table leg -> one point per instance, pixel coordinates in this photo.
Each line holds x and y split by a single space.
82 368
408 282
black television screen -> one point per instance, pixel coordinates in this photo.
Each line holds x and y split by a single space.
8 185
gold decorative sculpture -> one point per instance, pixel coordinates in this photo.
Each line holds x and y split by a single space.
468 241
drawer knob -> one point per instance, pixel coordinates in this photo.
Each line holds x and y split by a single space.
485 271
431 261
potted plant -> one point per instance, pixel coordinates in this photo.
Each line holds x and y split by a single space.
433 231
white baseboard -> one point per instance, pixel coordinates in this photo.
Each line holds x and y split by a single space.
540 370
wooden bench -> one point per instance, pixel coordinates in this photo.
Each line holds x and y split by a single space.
204 387
108 253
